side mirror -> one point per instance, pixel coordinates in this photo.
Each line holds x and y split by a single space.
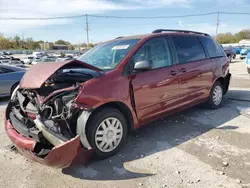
143 65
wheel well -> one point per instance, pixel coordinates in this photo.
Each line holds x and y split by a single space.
223 83
13 87
123 108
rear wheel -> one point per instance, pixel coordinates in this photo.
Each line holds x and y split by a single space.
248 70
106 132
216 96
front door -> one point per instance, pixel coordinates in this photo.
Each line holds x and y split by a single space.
155 90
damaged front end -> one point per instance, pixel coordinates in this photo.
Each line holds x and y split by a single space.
42 119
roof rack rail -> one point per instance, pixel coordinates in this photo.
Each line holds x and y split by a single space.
180 31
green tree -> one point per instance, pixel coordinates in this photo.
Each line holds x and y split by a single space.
244 34
62 42
16 42
71 47
224 38
90 45
83 45
4 43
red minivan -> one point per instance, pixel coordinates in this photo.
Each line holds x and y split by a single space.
65 111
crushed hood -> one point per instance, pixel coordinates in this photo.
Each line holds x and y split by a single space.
39 73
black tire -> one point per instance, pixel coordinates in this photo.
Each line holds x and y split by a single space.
248 70
93 124
13 88
211 103
241 58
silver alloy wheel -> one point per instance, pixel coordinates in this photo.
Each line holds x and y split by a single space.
108 134
217 95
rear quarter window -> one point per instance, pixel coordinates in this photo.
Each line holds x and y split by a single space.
188 48
213 49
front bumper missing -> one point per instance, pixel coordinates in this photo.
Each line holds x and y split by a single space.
61 156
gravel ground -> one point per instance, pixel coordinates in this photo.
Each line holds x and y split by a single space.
194 148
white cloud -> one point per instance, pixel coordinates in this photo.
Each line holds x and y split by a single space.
47 8
209 28
161 3
50 8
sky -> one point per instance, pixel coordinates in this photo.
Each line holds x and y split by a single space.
102 29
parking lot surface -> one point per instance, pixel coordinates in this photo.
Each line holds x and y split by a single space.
194 148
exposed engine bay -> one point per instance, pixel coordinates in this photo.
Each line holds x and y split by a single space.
48 114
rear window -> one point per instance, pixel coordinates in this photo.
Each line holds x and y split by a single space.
188 48
214 50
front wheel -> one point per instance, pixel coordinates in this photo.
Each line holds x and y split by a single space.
248 70
107 131
216 96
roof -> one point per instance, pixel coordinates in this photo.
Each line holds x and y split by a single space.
160 32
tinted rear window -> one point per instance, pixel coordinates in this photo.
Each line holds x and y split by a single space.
214 50
188 48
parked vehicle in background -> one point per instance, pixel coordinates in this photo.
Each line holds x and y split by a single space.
248 62
49 59
38 54
66 58
16 62
244 52
36 60
237 49
28 60
6 53
10 77
230 52
75 108
6 60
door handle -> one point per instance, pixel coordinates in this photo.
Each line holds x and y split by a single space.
183 70
173 72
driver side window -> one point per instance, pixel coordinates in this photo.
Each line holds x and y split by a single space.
155 50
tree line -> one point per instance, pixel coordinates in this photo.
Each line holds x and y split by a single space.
225 38
16 43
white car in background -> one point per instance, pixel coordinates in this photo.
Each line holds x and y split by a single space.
36 60
28 60
38 54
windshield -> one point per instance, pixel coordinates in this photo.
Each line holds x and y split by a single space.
108 55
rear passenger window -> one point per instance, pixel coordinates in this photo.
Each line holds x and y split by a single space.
188 48
214 50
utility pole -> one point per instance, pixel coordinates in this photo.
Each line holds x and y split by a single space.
217 24
87 28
